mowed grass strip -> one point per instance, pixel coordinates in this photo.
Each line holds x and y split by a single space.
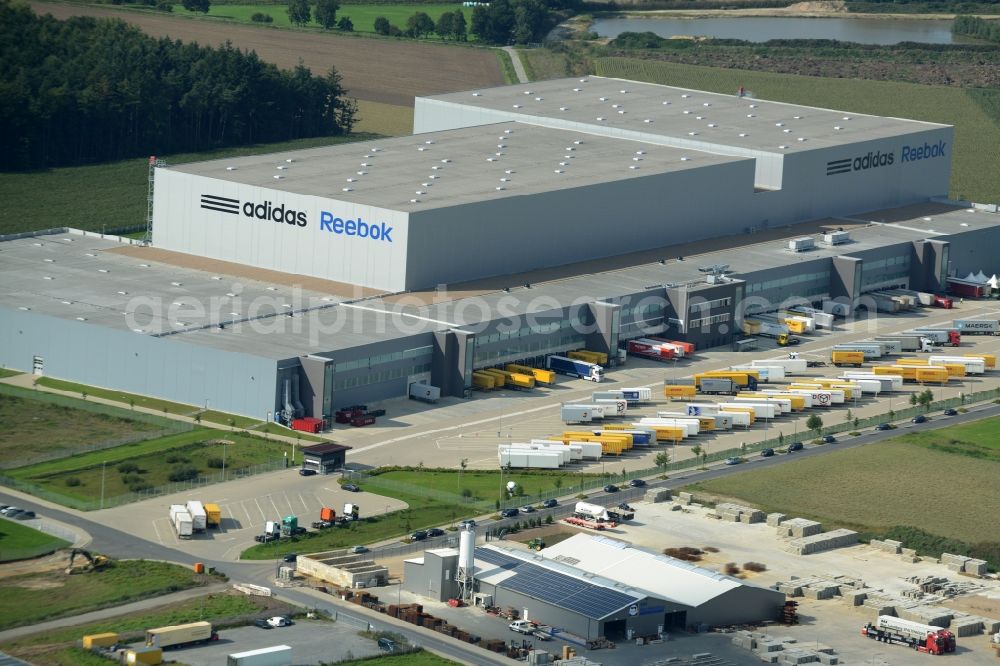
115 193
487 485
212 607
18 541
34 429
975 155
150 463
362 16
35 597
875 487
421 658
6 372
979 439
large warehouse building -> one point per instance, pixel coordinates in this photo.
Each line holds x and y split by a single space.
593 586
290 284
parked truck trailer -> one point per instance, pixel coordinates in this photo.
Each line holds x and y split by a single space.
179 635
921 637
573 368
277 655
977 326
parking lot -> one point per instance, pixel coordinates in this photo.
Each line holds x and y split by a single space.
246 505
312 642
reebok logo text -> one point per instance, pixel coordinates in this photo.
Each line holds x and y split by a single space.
360 228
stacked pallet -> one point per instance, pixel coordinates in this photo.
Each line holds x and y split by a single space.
887 546
738 514
775 519
783 650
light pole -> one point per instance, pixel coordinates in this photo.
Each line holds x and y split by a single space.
224 444
104 466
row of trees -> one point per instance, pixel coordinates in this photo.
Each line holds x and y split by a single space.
89 90
451 25
325 12
973 26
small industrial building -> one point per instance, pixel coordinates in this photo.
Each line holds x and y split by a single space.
593 586
324 458
518 223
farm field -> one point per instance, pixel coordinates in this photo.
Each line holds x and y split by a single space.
873 488
384 119
980 439
37 428
976 156
142 466
20 542
34 597
381 70
363 16
116 191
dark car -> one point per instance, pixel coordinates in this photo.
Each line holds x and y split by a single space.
14 514
767 453
261 624
549 503
467 523
291 557
307 472
637 483
24 515
734 461
611 488
919 418
883 426
829 439
625 506
386 645
435 532
795 446
527 508
351 488
9 510
950 412
509 513
419 535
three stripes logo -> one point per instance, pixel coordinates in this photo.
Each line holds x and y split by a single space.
835 167
220 204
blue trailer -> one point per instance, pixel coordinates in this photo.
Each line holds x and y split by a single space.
573 368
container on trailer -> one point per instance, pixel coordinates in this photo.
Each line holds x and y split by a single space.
107 639
199 519
989 360
791 365
933 375
691 425
675 391
213 515
574 368
837 396
144 656
977 326
577 414
763 409
705 423
424 392
540 375
483 381
597 358
616 407
527 459
277 655
180 634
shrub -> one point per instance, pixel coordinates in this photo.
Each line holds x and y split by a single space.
731 569
73 481
175 458
710 549
215 463
183 473
261 17
130 479
548 519
755 566
686 553
139 487
127 467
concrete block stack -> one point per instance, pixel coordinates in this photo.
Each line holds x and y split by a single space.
975 567
887 546
925 614
656 495
824 541
880 606
967 626
822 590
798 656
799 527
954 563
775 519
746 639
908 555
784 650
790 589
685 498
854 597
991 626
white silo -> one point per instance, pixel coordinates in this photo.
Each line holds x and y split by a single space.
466 560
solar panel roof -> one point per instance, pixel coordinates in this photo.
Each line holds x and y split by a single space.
559 589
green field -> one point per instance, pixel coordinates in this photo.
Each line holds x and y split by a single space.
980 439
975 114
52 647
36 428
907 481
20 542
32 598
363 16
115 192
387 119
79 478
5 373
434 499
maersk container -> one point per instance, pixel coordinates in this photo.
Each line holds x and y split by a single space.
977 326
278 655
199 518
577 414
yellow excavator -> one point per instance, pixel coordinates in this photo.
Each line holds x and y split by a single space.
92 562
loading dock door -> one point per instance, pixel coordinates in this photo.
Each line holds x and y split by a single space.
675 620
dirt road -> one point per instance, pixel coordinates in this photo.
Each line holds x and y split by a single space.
378 70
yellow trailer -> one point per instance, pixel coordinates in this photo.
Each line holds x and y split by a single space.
989 360
912 361
499 378
613 444
661 432
519 380
674 391
907 372
954 369
597 358
855 358
541 375
749 372
794 325
213 515
99 640
483 380
741 379
932 375
147 656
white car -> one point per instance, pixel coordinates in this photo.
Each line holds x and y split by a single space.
279 621
522 626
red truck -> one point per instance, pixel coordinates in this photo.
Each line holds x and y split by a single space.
921 637
967 289
650 350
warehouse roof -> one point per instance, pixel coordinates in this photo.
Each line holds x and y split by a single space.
454 167
691 118
660 576
73 275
